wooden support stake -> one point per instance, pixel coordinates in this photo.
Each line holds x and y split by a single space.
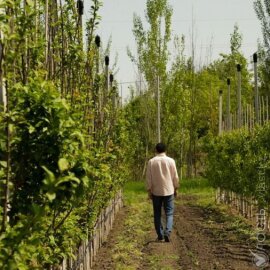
239 107
220 113
255 58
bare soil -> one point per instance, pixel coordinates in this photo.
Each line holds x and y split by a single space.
203 238
104 259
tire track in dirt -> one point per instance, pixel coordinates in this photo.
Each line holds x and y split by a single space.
207 240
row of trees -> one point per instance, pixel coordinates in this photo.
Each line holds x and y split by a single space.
189 94
65 145
238 161
61 130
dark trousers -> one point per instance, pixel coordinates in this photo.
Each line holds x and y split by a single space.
168 204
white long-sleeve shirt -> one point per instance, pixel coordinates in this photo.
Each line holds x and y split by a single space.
161 175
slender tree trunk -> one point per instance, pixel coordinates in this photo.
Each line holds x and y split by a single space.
25 55
46 32
6 186
5 103
62 50
2 94
191 158
36 21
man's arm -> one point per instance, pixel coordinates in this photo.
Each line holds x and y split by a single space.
175 179
149 180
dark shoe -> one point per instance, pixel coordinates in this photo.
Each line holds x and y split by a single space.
167 238
160 239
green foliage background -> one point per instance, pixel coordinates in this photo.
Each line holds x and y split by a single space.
239 161
66 146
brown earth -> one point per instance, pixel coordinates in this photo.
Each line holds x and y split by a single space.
203 239
104 260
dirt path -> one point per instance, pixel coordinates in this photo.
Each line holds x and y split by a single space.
203 238
105 259
207 240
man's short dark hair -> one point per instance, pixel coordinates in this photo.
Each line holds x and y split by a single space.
161 148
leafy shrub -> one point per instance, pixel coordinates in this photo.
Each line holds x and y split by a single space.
59 185
237 160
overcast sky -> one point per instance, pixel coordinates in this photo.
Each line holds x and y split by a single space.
214 22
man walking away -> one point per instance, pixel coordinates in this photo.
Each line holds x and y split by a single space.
162 184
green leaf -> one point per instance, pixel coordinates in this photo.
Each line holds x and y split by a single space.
51 196
52 240
63 164
66 179
50 178
3 163
31 129
30 2
79 136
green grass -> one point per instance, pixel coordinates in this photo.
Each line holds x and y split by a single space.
155 261
187 186
199 188
127 252
195 186
134 192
